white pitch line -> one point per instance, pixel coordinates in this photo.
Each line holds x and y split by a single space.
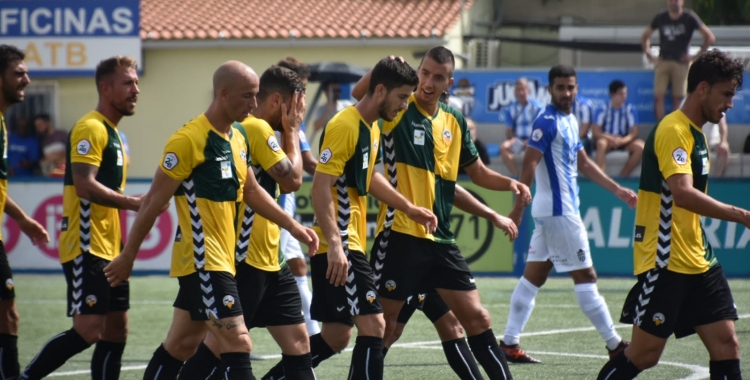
427 344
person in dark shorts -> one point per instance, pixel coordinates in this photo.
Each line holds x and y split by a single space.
14 77
90 236
681 287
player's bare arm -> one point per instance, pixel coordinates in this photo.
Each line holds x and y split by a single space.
595 174
29 226
87 187
531 159
632 135
262 203
687 197
309 163
489 179
464 201
288 172
152 204
325 214
383 191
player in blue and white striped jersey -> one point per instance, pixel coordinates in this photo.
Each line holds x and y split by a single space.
519 117
559 239
616 128
583 109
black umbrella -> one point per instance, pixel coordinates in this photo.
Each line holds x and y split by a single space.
335 72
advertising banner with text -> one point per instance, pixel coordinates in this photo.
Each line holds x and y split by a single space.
69 38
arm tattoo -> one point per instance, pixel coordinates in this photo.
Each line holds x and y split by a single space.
102 201
217 323
283 168
232 325
88 171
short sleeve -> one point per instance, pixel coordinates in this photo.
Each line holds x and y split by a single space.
599 118
696 19
543 132
586 112
179 157
304 145
469 152
265 149
632 116
508 116
337 147
88 140
655 22
672 147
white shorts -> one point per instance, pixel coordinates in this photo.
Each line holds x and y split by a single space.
288 245
562 240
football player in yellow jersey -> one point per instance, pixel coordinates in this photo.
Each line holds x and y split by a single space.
267 289
681 287
90 238
14 77
429 142
205 168
344 292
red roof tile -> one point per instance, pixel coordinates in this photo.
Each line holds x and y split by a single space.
271 19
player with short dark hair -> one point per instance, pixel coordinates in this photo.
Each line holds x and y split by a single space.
95 176
681 287
14 77
205 168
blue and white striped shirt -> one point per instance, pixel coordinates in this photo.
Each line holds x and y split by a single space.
583 109
555 134
521 117
617 122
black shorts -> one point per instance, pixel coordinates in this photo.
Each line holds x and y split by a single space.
405 265
208 295
432 305
664 302
269 298
358 296
89 291
6 276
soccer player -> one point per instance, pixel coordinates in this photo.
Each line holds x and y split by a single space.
268 292
205 168
344 291
426 144
559 239
290 247
95 174
14 77
519 116
681 287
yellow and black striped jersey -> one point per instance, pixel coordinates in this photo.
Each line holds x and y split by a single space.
87 226
212 167
667 235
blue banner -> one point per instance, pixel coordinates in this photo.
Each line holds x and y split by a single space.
484 93
69 38
610 223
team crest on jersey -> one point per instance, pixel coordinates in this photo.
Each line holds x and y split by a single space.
170 161
243 155
326 155
420 297
581 255
390 285
537 135
447 136
83 147
370 296
9 284
659 319
228 301
273 144
91 300
680 156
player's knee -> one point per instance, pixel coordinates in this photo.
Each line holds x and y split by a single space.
91 334
658 97
12 318
338 342
479 323
396 334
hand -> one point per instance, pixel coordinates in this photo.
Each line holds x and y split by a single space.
505 224
119 269
338 265
626 195
651 58
34 231
423 216
399 58
521 190
687 58
516 215
292 116
307 237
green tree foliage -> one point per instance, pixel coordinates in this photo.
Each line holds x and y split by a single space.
723 12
